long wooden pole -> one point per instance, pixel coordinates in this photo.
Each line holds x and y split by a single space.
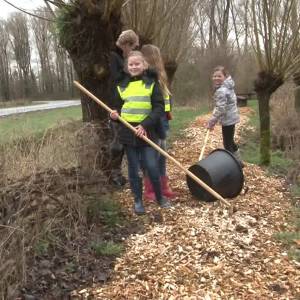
205 142
161 151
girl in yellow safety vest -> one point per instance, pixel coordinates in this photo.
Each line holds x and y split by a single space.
140 102
153 58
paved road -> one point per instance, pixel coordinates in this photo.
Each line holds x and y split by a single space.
42 106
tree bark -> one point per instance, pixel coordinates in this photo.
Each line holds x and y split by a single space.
89 39
265 85
265 134
89 34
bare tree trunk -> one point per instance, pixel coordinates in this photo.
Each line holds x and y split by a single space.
43 41
4 63
18 28
88 31
265 132
88 38
265 85
212 34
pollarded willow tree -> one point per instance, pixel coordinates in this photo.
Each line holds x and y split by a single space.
275 39
166 23
88 30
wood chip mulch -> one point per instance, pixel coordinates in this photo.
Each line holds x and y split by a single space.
198 250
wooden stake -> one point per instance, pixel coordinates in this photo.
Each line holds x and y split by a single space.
205 142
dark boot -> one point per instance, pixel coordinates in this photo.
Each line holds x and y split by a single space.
118 181
137 188
139 207
237 155
164 203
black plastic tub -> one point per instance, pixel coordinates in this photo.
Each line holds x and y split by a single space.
221 171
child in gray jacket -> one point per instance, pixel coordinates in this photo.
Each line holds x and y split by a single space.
225 111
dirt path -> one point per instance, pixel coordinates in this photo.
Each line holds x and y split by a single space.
198 251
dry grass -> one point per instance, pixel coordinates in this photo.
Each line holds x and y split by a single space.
26 156
286 128
41 205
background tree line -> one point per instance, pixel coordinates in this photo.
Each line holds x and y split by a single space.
32 62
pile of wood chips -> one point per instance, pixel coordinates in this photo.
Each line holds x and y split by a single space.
198 250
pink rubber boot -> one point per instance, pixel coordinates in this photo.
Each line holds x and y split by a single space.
166 190
148 190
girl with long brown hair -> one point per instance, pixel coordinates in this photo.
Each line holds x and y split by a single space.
155 62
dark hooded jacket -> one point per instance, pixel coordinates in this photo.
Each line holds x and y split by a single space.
116 65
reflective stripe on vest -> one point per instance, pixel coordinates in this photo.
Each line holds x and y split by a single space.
137 101
167 103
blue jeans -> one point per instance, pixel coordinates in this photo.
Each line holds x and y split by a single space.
163 144
145 157
162 161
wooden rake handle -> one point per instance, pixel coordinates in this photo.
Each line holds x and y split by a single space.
161 151
204 145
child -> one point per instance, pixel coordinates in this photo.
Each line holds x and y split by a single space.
141 104
225 111
155 62
126 42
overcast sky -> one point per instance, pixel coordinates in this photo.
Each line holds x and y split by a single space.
30 5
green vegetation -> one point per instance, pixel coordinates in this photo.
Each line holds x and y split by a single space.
182 117
42 247
107 248
104 210
279 166
291 239
70 267
35 123
250 148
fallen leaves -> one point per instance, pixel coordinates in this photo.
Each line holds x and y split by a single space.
199 250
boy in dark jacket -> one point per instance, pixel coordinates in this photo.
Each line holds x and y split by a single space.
127 41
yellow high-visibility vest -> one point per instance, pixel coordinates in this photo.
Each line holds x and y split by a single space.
167 103
137 101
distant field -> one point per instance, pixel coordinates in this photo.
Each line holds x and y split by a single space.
35 122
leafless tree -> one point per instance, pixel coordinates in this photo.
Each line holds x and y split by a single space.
19 33
275 39
4 62
165 23
42 34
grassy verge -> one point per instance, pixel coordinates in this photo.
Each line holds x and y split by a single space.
182 117
35 123
250 148
279 166
15 103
